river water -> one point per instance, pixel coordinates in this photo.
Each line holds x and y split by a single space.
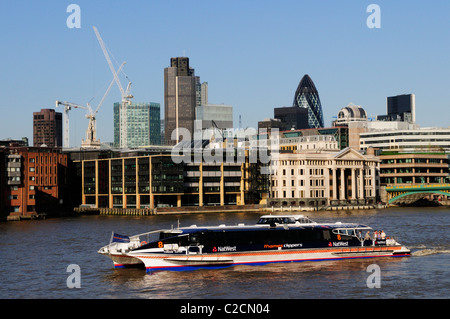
36 259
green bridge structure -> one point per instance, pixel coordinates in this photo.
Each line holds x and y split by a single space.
399 195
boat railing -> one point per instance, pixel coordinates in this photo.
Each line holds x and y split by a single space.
135 241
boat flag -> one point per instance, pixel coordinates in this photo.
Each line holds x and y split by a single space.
116 238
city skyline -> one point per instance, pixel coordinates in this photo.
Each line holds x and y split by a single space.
252 55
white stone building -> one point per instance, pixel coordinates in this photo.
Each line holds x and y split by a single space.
313 172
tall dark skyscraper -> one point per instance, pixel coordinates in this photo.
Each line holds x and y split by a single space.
307 97
47 128
180 94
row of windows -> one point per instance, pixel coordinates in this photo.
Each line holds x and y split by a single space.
300 182
412 180
414 160
412 171
44 170
406 133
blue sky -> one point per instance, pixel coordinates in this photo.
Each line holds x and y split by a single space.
252 53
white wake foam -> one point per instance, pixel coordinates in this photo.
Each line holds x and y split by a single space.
430 251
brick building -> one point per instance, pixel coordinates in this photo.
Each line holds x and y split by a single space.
34 181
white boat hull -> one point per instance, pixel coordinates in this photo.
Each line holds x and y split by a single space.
162 261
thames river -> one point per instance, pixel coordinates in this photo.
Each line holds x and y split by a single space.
38 257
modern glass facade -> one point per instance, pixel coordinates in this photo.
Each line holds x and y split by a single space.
307 96
143 124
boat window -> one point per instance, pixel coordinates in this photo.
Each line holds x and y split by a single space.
262 221
164 235
346 232
277 220
194 238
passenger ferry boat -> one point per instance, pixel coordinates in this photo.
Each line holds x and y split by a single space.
274 238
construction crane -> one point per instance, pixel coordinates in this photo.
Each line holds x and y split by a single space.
126 96
67 108
91 132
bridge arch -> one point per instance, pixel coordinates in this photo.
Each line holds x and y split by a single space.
414 196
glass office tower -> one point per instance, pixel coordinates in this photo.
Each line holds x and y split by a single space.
307 96
143 124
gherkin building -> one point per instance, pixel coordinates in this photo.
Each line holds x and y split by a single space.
307 96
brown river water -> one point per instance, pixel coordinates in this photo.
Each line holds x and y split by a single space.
36 256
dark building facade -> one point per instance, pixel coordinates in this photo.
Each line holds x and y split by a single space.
180 94
47 128
307 96
400 108
294 117
270 124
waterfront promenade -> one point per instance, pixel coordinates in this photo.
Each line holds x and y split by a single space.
215 209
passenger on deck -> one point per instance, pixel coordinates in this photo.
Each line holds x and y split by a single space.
383 235
367 237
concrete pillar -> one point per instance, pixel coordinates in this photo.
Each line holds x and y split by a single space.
361 184
110 196
373 185
242 186
138 197
334 184
353 183
222 186
150 178
342 195
152 201
200 185
83 196
124 197
96 184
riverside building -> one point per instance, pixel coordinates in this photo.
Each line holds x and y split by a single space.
409 169
35 181
312 171
161 180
